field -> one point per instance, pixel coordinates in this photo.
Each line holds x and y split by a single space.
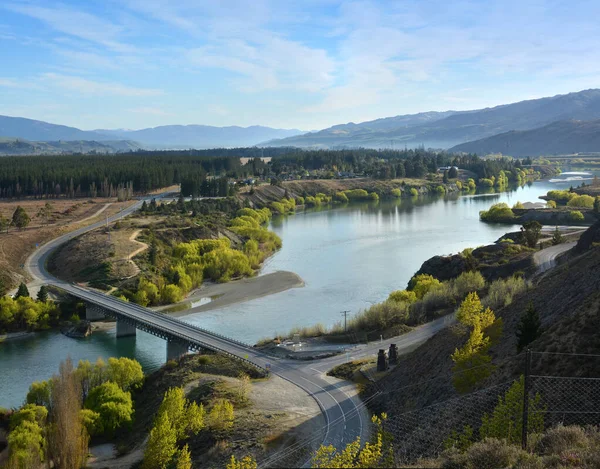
66 215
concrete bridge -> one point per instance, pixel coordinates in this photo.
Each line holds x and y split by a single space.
181 336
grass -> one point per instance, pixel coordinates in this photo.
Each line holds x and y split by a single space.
349 370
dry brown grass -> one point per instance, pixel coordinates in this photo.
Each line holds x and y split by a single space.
16 246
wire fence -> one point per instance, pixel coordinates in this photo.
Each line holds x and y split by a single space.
555 388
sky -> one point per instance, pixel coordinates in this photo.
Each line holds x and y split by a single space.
305 64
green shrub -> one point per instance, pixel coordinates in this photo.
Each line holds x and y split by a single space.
576 216
404 296
466 283
341 197
357 194
507 241
413 192
584 201
440 190
551 204
374 196
299 200
396 193
484 182
502 291
421 284
561 197
518 206
113 404
497 213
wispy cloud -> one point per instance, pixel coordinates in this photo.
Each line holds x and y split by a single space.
85 86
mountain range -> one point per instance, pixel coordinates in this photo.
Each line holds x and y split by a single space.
447 129
558 124
167 136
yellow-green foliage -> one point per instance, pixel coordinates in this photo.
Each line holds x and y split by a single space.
221 415
26 313
471 185
380 316
421 284
560 197
551 204
485 182
584 201
357 194
378 452
413 192
247 462
186 417
299 200
222 265
506 420
440 190
26 441
502 180
340 197
576 216
459 185
518 206
403 295
113 405
171 294
374 196
497 213
283 206
502 291
396 193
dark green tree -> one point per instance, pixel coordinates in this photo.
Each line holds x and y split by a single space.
144 207
597 204
453 173
43 294
557 237
445 178
22 291
530 233
20 218
529 327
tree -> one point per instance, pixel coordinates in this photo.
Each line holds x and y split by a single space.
453 173
113 404
43 294
125 372
221 415
529 327
68 438
20 218
40 393
4 223
557 238
46 212
186 417
184 458
162 444
596 204
247 462
26 442
22 291
530 233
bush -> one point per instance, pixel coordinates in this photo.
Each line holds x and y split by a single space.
497 213
221 415
421 284
502 291
440 190
561 438
466 283
492 453
341 197
403 295
380 316
576 216
551 204
299 200
413 192
171 294
112 404
484 182
584 201
518 206
396 193
374 196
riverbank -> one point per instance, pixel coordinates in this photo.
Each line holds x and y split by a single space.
237 291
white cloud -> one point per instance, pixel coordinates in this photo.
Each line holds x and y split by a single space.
85 86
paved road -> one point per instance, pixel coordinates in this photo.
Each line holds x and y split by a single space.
346 417
546 258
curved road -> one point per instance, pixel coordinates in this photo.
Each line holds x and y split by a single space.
346 417
546 258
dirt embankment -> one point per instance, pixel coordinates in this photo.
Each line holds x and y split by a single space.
554 216
265 194
63 215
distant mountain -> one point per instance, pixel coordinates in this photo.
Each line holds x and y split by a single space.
167 136
29 129
201 136
444 130
563 137
16 146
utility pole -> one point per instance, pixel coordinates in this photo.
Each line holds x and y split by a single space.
345 313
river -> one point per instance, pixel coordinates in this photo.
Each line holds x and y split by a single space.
349 257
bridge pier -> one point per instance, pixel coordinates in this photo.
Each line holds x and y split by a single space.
176 350
93 312
125 329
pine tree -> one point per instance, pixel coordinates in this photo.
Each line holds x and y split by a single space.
162 444
43 294
184 458
20 218
557 237
529 327
22 291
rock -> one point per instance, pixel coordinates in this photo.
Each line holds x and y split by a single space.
77 330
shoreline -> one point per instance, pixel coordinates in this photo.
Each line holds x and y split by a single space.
236 291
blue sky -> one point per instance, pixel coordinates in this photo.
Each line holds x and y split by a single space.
304 64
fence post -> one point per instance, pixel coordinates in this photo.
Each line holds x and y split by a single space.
526 399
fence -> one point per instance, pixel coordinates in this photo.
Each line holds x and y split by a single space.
556 388
548 395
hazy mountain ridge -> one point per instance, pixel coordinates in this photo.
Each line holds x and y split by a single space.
16 147
563 137
457 127
168 136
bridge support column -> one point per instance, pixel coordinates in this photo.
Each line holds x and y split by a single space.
93 312
176 350
124 329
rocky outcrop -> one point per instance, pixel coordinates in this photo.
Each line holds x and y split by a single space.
77 330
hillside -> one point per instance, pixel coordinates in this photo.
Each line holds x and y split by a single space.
568 302
16 146
29 129
563 137
454 128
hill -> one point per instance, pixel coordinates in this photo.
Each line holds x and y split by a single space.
16 146
563 137
29 129
445 130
